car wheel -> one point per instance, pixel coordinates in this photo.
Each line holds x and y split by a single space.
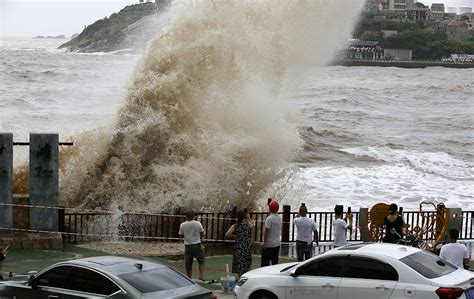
263 295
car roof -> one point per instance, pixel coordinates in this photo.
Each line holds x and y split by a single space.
115 264
381 249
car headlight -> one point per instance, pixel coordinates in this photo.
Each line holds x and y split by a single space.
242 281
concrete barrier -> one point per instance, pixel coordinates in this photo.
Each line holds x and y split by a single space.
6 179
44 181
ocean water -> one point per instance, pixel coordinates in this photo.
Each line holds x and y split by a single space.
216 118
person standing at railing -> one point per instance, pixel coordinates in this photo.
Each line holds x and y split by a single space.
271 236
340 226
306 233
192 232
241 232
393 221
455 252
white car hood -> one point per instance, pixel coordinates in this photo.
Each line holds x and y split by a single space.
270 269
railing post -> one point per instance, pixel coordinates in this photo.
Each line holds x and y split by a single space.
6 179
285 229
471 225
176 222
61 220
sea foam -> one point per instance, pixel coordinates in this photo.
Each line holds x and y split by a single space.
203 124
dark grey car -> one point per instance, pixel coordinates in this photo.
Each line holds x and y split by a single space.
105 277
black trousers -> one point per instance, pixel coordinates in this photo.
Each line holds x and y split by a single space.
270 254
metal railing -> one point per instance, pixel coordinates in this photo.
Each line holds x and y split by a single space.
84 227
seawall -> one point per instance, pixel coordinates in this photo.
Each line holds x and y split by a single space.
403 64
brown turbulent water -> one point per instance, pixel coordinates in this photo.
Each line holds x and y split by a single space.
203 123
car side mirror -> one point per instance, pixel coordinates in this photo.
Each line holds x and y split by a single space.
294 272
32 282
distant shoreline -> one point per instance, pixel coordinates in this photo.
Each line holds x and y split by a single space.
50 37
403 64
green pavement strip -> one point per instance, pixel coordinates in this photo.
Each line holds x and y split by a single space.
21 261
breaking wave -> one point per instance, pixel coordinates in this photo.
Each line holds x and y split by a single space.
203 124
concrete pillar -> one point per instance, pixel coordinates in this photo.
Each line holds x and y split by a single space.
6 179
44 181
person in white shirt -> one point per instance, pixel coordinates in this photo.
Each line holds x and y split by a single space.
454 252
305 227
340 226
192 231
271 236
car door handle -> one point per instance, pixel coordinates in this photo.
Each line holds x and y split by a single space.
382 288
53 297
328 285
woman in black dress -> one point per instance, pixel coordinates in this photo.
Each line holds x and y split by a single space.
241 232
393 221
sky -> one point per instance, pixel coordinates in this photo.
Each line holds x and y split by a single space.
54 17
66 17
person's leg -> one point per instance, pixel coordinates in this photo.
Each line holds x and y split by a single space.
188 260
201 272
299 251
200 258
265 257
309 251
274 255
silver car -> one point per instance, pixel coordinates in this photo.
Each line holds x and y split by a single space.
105 277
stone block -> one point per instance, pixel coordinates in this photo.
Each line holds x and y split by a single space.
37 243
44 181
57 242
6 242
17 243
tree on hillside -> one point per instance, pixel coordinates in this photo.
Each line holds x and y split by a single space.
428 44
370 25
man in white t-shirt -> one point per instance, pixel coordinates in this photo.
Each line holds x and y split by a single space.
271 236
192 231
454 252
305 227
340 226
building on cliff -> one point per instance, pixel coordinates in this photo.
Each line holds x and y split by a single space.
437 12
461 30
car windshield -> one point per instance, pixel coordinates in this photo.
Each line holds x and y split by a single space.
156 280
428 264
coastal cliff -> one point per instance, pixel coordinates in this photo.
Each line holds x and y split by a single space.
130 28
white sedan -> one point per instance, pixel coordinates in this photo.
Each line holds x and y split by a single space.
361 271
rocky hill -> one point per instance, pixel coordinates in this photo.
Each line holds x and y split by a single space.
127 29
